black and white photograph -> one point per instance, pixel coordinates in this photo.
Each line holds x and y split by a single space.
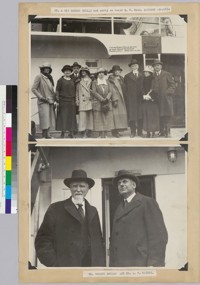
108 77
108 207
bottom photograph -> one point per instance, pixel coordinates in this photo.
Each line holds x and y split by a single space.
108 207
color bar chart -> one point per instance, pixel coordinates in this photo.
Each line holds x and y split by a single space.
8 149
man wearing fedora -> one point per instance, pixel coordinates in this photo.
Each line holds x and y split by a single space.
75 76
163 85
75 71
133 82
139 235
70 234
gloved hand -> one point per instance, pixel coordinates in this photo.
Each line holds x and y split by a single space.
104 101
44 100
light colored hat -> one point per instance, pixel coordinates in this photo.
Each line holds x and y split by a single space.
148 68
85 68
101 70
46 64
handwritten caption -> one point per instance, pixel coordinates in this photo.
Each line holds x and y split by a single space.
111 10
120 273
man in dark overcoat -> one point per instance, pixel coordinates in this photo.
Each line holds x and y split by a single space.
139 235
70 234
76 77
133 82
164 86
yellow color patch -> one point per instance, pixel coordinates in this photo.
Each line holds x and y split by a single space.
8 162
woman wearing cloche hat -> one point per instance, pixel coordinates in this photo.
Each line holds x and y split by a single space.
84 102
118 100
43 88
150 104
65 95
102 103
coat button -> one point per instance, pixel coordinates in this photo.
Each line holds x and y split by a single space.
117 233
82 95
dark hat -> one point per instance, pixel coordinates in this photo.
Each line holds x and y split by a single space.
79 175
157 61
84 68
133 61
125 174
46 65
101 70
76 64
114 68
66 67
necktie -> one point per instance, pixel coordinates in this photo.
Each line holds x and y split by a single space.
135 75
80 210
157 73
125 203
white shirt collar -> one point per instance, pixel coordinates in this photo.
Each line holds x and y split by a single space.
101 81
130 197
76 204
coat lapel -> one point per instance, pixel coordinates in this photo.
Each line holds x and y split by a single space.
48 83
121 211
161 74
71 209
118 86
158 77
90 211
132 77
87 87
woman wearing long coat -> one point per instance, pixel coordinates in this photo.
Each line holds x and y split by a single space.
65 95
84 102
43 88
118 90
102 104
150 104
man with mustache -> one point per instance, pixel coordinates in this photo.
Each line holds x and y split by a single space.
70 234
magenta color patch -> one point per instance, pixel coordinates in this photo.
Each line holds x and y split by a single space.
8 134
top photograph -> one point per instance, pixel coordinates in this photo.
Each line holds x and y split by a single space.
108 77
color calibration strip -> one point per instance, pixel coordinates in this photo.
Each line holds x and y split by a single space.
6 168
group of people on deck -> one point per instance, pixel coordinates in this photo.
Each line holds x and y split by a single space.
106 103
